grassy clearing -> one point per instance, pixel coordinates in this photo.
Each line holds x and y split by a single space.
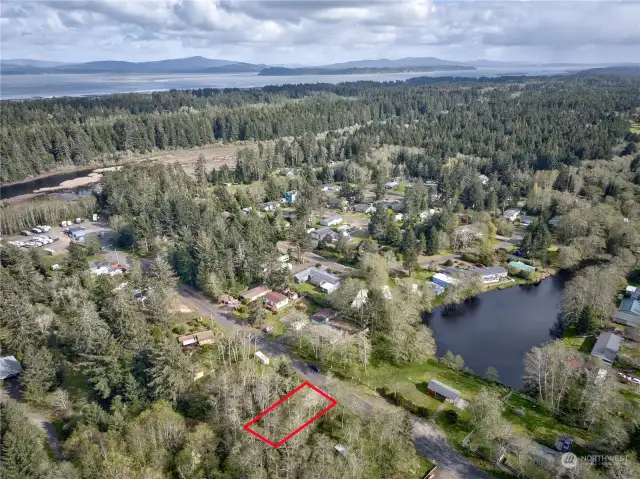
581 344
274 320
543 427
635 128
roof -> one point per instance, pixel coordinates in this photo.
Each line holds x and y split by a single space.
607 346
442 389
330 219
9 366
255 292
445 278
275 297
204 335
630 305
521 265
324 314
362 207
317 276
493 270
511 212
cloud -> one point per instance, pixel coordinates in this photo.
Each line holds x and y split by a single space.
316 32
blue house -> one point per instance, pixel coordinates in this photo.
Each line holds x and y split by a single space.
290 196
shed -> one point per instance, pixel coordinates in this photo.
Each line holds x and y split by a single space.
9 367
442 391
205 337
607 346
187 339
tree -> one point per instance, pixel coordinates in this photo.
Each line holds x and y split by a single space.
76 259
432 241
568 257
169 372
257 314
39 373
92 244
491 374
409 249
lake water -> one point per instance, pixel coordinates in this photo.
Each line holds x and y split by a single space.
26 187
498 328
15 87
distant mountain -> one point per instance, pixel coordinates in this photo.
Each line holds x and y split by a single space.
280 71
30 63
386 63
179 65
620 70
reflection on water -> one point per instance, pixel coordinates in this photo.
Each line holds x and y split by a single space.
498 328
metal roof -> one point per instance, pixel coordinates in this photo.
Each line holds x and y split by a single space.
442 389
9 366
630 305
607 346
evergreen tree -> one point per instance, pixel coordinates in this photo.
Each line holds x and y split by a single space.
432 239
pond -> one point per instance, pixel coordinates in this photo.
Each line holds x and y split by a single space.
498 328
29 186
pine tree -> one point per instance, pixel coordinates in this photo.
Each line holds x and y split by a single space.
432 241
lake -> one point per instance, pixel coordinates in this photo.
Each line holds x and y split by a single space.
29 186
16 87
498 328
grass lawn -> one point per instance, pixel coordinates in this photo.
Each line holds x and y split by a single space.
274 320
635 128
543 427
584 345
421 275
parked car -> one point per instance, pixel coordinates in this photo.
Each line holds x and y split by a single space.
315 368
268 329
36 230
479 265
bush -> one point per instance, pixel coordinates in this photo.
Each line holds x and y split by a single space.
180 328
399 400
451 416
470 258
448 263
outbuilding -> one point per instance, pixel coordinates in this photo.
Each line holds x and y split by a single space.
441 391
607 346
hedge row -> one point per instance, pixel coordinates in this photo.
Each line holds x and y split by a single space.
399 400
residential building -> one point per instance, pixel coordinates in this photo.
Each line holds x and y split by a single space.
288 172
632 292
444 280
331 220
275 301
9 367
628 313
330 188
187 340
607 346
324 315
291 196
522 266
254 293
492 274
326 281
100 268
364 208
392 184
526 220
511 214
205 337
326 234
269 206
441 391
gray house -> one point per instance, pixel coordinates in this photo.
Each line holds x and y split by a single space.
364 208
326 281
628 313
607 346
325 233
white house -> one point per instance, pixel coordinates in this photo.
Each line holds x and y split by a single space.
511 214
331 221
326 281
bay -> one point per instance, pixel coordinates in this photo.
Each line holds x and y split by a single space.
18 87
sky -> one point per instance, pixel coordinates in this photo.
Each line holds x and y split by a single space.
320 32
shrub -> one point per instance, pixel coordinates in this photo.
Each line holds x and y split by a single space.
451 416
470 258
399 400
180 328
448 263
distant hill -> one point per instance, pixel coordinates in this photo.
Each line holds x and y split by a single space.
179 65
281 71
386 63
30 63
620 70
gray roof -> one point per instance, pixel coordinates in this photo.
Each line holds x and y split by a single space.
493 270
9 366
362 207
607 346
317 276
442 389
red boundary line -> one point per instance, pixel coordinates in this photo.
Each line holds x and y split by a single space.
247 427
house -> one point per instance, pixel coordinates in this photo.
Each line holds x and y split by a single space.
269 206
444 280
555 221
331 221
324 315
397 207
492 274
330 188
275 301
264 359
187 339
522 266
9 367
628 313
511 214
205 337
484 179
607 346
290 196
526 220
437 288
100 268
326 234
254 293
441 391
632 292
392 184
288 172
326 281
364 208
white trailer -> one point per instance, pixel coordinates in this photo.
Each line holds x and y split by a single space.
262 357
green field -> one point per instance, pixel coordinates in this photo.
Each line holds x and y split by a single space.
635 128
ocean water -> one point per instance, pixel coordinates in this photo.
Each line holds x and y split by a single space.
18 87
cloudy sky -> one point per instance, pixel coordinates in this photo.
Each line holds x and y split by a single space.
320 32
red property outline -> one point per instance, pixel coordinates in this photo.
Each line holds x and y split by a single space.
247 427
